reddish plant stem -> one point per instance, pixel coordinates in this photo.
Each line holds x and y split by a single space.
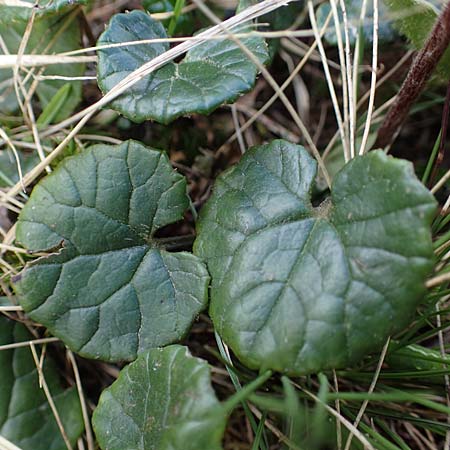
420 71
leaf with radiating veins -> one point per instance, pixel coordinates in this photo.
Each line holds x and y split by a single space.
301 289
112 290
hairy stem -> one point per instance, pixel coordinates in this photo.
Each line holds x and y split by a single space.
419 73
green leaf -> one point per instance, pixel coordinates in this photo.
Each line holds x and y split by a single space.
112 290
211 74
162 401
49 35
23 12
419 21
416 357
25 415
417 24
54 106
301 289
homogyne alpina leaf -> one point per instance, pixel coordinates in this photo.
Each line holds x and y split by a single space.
112 290
211 74
161 401
300 289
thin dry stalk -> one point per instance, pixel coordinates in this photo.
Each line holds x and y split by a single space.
83 117
326 70
10 308
7 445
11 61
446 377
338 410
302 97
287 104
370 391
49 397
342 65
6 138
373 81
350 81
172 40
87 423
340 417
283 87
359 38
272 125
17 80
300 48
237 127
12 248
28 343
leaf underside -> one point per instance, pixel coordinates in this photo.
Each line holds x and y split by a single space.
211 74
300 289
162 401
111 291
25 415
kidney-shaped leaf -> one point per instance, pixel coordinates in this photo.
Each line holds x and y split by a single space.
213 73
25 415
111 291
161 401
300 289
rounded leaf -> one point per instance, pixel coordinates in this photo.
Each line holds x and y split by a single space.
161 401
111 291
300 289
211 74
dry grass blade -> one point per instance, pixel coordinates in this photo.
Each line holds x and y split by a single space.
346 143
7 445
326 70
340 417
84 409
10 308
287 104
6 138
370 391
283 87
17 3
373 81
28 343
49 396
83 117
8 61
